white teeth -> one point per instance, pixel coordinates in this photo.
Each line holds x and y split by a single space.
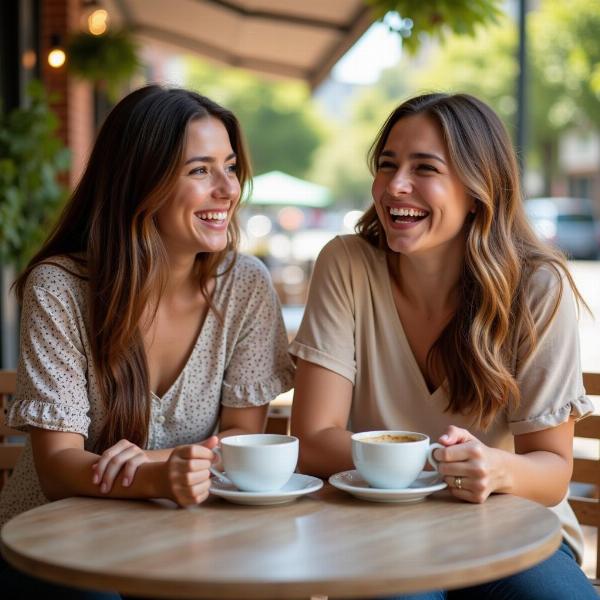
213 216
407 212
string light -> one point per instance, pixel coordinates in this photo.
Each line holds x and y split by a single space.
98 22
56 56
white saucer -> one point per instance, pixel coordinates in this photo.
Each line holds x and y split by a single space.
298 485
426 483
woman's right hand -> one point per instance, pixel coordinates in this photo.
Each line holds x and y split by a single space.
188 475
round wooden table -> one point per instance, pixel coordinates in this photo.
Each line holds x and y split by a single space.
328 544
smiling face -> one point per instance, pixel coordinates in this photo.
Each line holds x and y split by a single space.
420 201
196 217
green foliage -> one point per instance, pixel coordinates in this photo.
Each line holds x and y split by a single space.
31 158
485 66
277 117
566 57
341 162
108 60
439 18
563 59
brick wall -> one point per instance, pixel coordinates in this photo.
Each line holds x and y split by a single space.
74 102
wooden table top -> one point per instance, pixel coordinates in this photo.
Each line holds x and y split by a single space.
328 543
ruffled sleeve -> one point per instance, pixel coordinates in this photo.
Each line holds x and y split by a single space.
51 376
260 367
550 377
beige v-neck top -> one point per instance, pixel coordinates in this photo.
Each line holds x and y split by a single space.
238 362
351 326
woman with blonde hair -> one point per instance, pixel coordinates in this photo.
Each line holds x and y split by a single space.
143 331
446 315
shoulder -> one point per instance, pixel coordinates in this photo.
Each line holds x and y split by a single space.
60 276
246 278
251 269
551 297
546 282
350 247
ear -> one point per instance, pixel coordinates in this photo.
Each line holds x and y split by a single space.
473 208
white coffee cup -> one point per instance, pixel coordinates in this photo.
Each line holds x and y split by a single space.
261 462
392 459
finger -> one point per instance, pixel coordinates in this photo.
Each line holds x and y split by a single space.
469 495
107 456
200 488
454 469
191 501
192 495
115 465
459 452
210 442
198 464
131 467
455 435
190 479
457 482
194 451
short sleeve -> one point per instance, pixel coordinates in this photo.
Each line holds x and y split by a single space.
260 367
550 378
326 334
52 372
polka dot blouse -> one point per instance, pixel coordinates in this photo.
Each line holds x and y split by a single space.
238 362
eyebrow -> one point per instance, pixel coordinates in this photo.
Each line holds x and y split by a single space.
392 154
208 159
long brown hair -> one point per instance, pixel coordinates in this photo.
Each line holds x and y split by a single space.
474 352
108 227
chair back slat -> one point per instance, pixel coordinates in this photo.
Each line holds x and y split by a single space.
9 455
11 445
586 471
588 427
8 382
591 383
585 490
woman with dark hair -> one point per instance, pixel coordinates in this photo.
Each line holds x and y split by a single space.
143 331
446 315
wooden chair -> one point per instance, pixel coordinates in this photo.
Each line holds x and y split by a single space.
11 441
587 471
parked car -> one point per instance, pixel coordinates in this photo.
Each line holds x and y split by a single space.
568 223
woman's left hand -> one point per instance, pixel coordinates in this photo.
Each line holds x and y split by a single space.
124 457
469 467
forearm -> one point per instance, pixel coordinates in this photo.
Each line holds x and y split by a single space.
326 452
161 455
541 476
72 474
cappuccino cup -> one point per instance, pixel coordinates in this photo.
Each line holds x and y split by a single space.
392 459
261 462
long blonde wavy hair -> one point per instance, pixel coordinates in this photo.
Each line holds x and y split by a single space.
474 351
109 228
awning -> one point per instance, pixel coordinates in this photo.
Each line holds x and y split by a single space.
277 188
302 39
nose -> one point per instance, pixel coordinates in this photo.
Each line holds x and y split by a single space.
399 184
225 185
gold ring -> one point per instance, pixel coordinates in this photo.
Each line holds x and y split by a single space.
458 483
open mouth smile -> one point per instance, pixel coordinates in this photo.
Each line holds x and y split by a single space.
213 218
407 216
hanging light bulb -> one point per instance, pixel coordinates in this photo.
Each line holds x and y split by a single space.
98 22
57 55
93 17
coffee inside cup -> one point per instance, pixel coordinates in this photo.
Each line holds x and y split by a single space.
393 438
